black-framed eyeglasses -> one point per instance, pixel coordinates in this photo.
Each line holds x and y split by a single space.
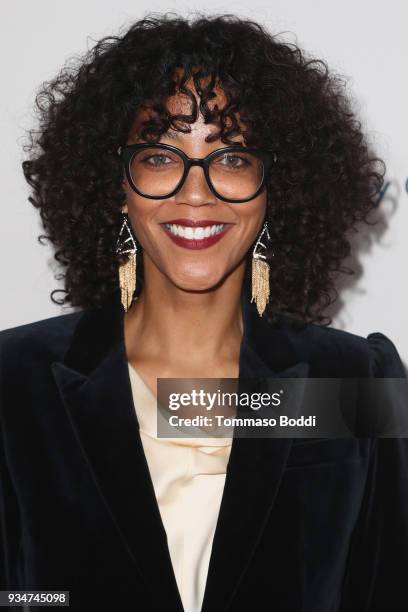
234 173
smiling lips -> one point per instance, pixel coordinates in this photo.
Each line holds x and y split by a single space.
195 234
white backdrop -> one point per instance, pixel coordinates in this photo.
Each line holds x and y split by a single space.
364 41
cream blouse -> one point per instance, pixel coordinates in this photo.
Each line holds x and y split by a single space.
188 476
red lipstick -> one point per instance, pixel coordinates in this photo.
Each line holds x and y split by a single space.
195 222
193 242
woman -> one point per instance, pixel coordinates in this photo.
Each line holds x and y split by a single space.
182 271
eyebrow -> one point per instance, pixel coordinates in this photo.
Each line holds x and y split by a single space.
173 135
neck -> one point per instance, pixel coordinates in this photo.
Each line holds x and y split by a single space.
191 330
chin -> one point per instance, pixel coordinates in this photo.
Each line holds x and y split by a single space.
189 282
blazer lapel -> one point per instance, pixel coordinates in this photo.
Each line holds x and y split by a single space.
94 385
255 466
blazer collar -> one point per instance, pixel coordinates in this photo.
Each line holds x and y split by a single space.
95 390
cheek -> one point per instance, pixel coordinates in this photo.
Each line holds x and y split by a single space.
141 215
252 218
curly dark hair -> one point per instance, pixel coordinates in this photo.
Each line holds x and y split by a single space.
324 183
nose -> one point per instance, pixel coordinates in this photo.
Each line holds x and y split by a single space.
195 190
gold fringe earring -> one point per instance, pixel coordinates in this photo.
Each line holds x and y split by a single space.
127 270
260 274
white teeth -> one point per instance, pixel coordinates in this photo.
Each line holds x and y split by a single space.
194 233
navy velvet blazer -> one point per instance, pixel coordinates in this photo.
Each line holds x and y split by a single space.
305 525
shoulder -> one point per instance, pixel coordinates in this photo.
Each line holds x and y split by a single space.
42 339
344 352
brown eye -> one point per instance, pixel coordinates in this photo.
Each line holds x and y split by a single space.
156 160
233 161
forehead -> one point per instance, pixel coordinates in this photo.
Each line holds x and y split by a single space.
180 103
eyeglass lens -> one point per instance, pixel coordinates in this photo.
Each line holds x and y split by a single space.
234 174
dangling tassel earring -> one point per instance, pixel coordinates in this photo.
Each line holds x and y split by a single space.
127 270
260 274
